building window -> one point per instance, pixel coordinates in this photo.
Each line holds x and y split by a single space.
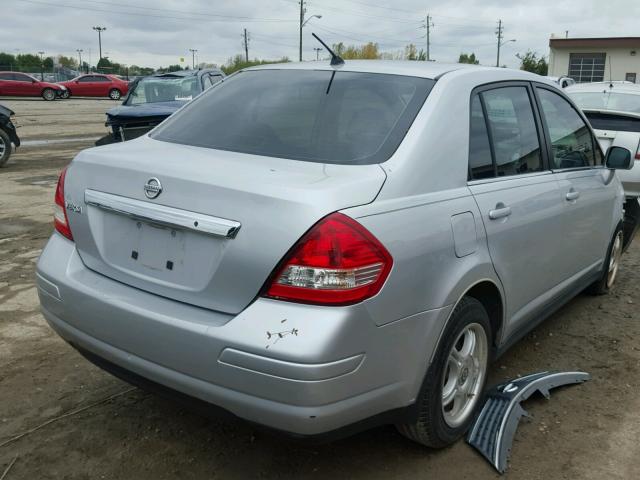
630 77
587 67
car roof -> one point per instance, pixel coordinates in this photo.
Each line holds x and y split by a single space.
600 87
187 73
432 70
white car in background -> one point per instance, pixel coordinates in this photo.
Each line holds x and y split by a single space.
613 108
563 81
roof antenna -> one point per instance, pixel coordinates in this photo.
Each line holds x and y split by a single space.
610 73
335 58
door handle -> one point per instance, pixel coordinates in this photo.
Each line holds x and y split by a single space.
572 195
501 211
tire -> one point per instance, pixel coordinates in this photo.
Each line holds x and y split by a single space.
5 148
114 94
49 94
66 94
437 424
611 265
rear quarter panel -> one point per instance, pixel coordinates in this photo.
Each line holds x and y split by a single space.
427 273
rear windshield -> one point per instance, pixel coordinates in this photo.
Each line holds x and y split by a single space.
311 115
608 121
163 89
605 100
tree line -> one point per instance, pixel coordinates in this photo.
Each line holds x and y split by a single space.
27 62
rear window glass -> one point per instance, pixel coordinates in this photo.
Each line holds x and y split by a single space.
606 100
618 123
311 115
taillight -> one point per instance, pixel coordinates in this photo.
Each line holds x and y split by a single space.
337 262
60 220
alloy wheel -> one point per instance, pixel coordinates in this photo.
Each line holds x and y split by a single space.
464 374
614 260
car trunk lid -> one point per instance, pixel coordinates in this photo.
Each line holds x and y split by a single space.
216 230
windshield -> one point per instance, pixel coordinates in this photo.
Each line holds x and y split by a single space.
606 100
164 89
312 115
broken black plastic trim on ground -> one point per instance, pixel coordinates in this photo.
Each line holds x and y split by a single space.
494 428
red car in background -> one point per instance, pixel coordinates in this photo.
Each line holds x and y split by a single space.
22 85
96 85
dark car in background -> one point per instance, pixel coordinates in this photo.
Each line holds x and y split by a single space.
8 134
96 85
16 84
152 99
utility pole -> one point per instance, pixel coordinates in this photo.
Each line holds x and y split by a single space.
429 25
79 50
246 45
100 30
499 33
193 57
302 11
41 66
318 50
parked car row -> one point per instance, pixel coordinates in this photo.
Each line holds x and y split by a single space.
93 85
320 248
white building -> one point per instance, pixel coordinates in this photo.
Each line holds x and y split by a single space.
595 59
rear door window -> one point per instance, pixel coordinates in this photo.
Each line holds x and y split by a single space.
22 78
503 136
572 144
312 115
513 131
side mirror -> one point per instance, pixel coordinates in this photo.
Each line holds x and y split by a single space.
619 158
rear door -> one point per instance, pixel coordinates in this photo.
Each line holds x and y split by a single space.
83 85
25 85
7 86
517 195
588 194
101 85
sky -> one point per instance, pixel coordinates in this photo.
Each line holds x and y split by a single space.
160 32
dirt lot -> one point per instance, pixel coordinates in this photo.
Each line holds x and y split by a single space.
589 431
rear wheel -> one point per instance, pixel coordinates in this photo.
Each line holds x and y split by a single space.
5 147
115 94
49 94
611 266
455 381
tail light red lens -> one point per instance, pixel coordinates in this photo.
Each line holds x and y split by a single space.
337 262
60 220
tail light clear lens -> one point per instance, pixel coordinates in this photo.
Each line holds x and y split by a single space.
337 262
60 220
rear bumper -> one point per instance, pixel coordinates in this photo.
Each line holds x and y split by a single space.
301 369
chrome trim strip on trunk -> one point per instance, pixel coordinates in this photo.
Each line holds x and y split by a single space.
162 215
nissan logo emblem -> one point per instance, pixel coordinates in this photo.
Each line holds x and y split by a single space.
152 188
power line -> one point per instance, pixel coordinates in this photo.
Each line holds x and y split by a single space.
361 14
395 9
172 17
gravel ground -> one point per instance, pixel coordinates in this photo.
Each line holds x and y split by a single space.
589 431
